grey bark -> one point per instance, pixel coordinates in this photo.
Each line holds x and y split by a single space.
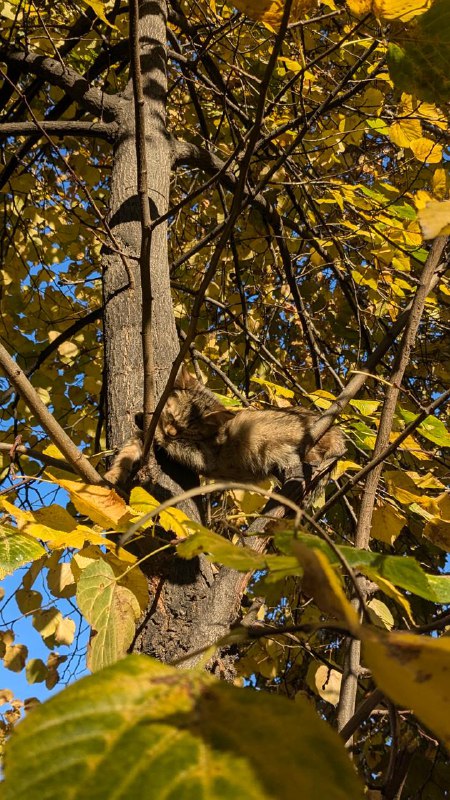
181 616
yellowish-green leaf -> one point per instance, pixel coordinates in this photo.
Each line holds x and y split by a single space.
16 549
143 729
220 550
275 388
36 671
112 612
380 614
366 407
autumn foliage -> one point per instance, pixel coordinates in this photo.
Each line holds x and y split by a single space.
279 222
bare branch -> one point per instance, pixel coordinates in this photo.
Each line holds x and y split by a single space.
100 130
411 325
94 100
58 436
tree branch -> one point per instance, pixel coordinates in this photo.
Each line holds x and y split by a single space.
100 130
235 211
22 385
146 222
93 100
349 683
31 452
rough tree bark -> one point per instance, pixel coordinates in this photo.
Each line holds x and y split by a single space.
190 605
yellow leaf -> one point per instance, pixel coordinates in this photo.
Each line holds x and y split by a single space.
271 11
321 582
171 520
413 671
404 132
343 466
328 684
438 531
15 657
403 10
99 10
102 505
388 588
387 523
426 150
65 631
277 390
55 526
380 614
434 219
439 183
401 486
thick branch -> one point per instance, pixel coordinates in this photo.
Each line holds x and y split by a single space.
58 436
100 130
68 79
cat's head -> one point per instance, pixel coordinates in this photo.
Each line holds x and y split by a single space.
191 411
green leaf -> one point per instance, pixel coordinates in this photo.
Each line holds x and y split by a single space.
402 571
366 407
434 430
141 729
16 549
110 609
220 549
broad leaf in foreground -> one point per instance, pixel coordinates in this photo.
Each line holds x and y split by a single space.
141 729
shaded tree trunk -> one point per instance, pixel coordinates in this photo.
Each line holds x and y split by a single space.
190 604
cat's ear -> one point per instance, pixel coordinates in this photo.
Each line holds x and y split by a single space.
218 417
184 379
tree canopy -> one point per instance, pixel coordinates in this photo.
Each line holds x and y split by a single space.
259 190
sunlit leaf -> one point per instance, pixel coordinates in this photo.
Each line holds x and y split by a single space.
144 729
16 549
413 671
111 610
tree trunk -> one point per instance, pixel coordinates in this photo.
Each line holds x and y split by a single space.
189 605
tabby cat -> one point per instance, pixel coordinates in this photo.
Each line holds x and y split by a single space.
247 446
